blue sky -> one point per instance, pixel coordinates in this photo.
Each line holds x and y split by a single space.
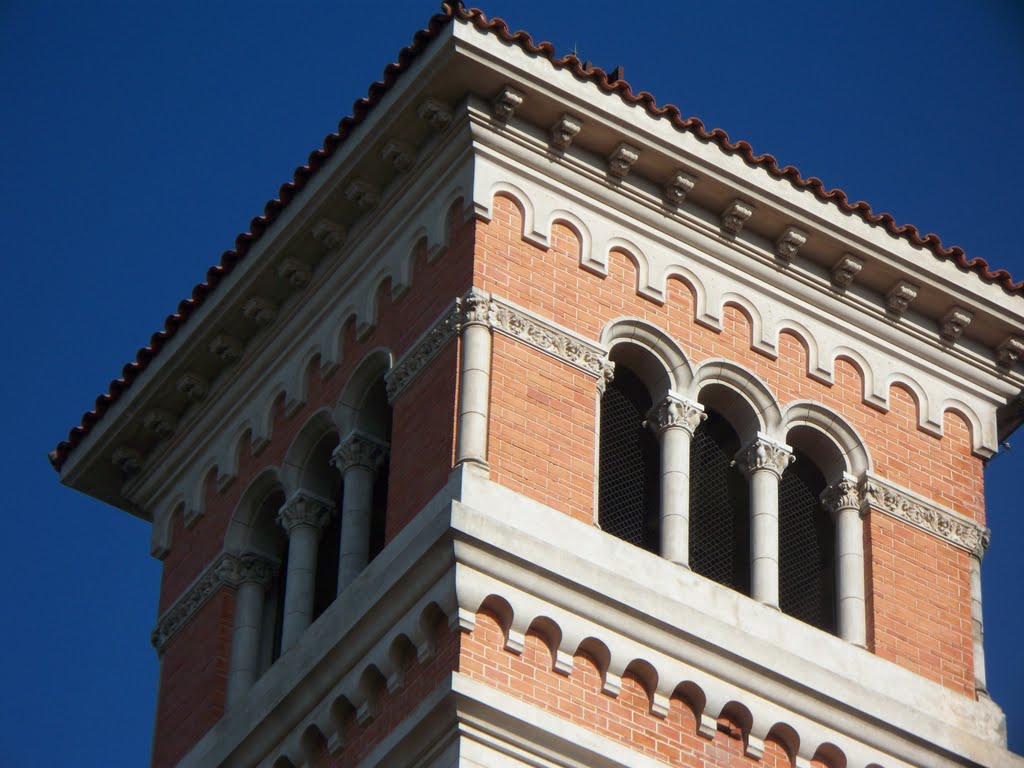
137 143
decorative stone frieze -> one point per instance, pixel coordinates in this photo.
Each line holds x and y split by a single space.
362 194
845 271
564 131
673 411
305 508
622 159
329 233
844 494
160 422
1010 352
954 322
790 243
126 459
899 297
765 454
359 450
226 571
259 310
296 272
678 187
929 517
507 102
227 347
545 336
736 215
435 114
475 308
399 154
193 386
425 349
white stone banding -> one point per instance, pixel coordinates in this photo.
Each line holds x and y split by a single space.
622 159
736 215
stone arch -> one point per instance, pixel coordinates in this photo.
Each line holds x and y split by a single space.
306 465
697 288
162 535
501 610
518 197
842 448
740 396
253 521
349 413
816 368
983 441
636 256
869 394
758 340
918 395
550 633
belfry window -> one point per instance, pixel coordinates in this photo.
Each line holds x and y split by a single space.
628 496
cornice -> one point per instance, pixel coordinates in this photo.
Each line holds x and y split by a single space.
945 524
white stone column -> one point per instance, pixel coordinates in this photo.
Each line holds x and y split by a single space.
763 462
843 501
255 574
304 516
977 621
474 379
674 420
357 457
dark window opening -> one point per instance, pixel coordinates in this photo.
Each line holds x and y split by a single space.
379 516
327 559
628 486
806 546
719 506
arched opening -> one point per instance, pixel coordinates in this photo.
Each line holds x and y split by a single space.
719 506
268 538
628 482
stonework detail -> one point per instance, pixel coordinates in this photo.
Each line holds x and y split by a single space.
305 508
127 459
259 310
193 386
678 187
226 571
845 271
435 114
622 159
845 494
436 338
736 215
362 194
296 272
954 322
1010 352
546 337
227 347
160 422
507 102
359 450
898 299
931 518
790 243
329 233
564 131
399 154
765 454
606 376
673 411
475 308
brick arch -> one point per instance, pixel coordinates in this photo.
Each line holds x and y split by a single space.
641 263
572 222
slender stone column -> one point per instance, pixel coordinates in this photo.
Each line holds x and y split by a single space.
763 462
255 574
474 379
358 458
977 621
304 516
843 500
674 420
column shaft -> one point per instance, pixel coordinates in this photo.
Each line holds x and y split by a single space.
977 626
300 583
245 640
764 537
850 590
474 381
356 515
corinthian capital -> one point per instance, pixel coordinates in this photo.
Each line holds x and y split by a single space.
256 569
359 450
476 308
844 494
673 411
305 508
765 454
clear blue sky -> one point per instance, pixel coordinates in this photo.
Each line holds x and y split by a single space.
137 143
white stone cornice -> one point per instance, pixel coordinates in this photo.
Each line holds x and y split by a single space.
228 570
359 450
952 527
423 350
305 509
546 336
675 411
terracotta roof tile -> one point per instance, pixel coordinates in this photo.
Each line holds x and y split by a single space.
610 83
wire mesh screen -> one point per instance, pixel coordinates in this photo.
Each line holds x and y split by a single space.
628 479
719 517
806 547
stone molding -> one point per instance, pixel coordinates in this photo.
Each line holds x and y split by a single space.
228 570
950 526
359 450
305 508
674 411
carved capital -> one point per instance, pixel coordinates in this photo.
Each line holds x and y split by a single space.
475 308
160 422
673 411
605 376
127 459
193 386
1010 352
329 233
296 272
678 187
622 159
226 347
359 450
305 508
764 454
845 270
842 495
899 297
362 194
736 215
507 102
790 243
435 114
400 155
255 569
954 322
259 310
565 130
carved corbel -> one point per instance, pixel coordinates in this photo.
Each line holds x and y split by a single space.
898 299
954 322
328 233
622 159
790 243
160 422
678 187
226 347
507 102
362 194
296 272
564 131
435 114
845 271
1010 352
400 155
259 310
736 215
193 386
126 459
